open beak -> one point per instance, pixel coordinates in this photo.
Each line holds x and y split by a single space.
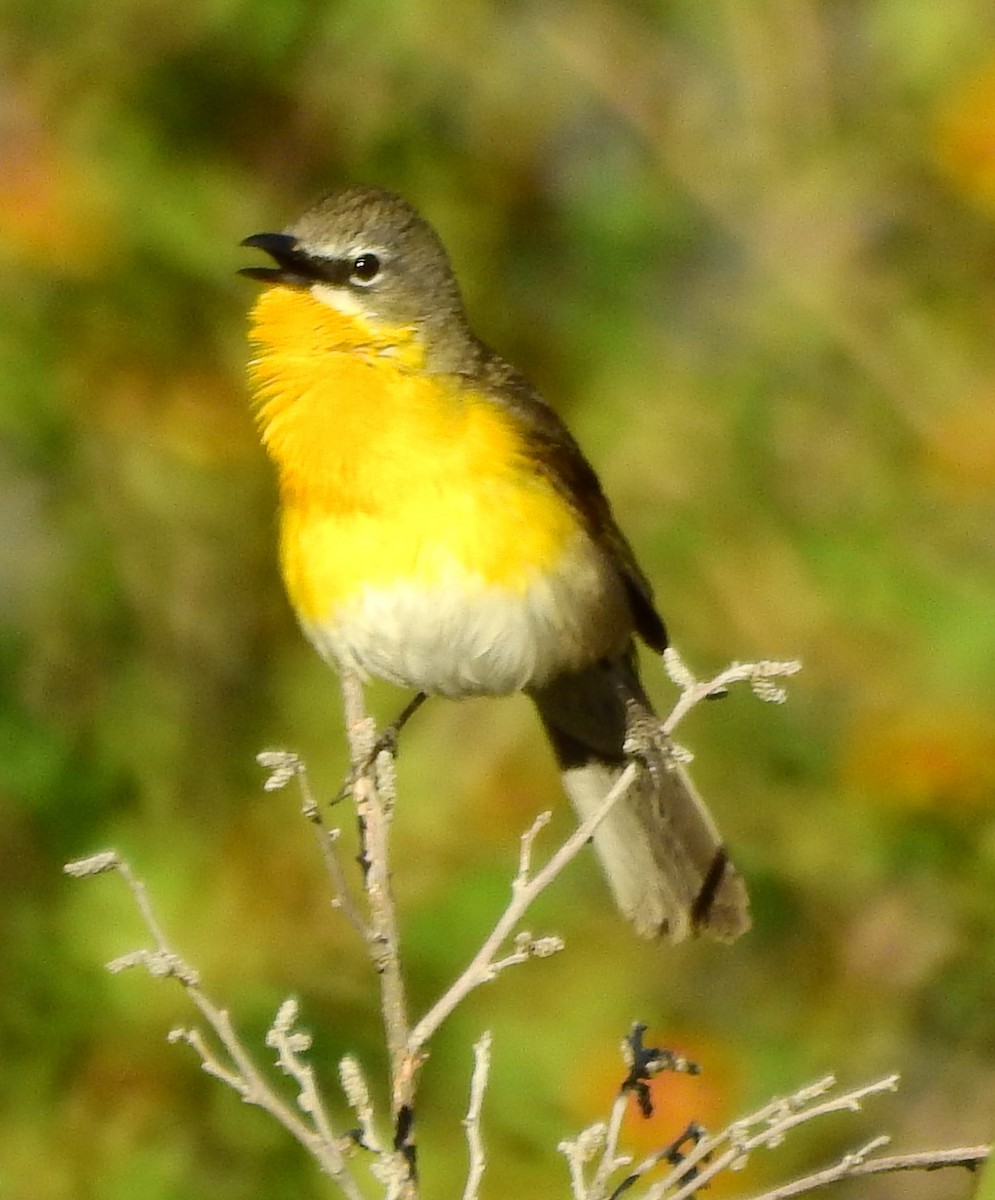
293 266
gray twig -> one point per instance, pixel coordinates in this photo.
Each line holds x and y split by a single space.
240 1073
856 1165
471 1122
524 890
283 766
373 795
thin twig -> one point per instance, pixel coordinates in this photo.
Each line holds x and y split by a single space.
471 1122
373 812
729 1149
524 890
283 766
357 1094
289 1042
373 797
372 787
776 1118
759 675
852 1167
244 1077
611 1160
579 1151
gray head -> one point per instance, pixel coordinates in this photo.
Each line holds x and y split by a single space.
363 250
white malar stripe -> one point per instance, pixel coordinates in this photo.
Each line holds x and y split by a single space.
462 637
341 300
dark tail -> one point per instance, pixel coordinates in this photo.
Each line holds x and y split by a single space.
659 847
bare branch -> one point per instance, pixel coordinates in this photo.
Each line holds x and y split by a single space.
242 1075
731 1148
285 766
527 842
209 1061
578 1152
289 1043
373 795
357 1094
611 1160
96 864
759 675
471 1123
853 1166
223 1055
709 1156
524 891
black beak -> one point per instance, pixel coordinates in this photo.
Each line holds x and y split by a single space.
293 266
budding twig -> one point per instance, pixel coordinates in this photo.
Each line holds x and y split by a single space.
240 1073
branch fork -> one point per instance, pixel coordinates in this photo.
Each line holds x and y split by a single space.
372 913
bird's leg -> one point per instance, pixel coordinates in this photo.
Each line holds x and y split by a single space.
387 740
390 733
644 739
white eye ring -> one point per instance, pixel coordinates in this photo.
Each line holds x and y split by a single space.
365 268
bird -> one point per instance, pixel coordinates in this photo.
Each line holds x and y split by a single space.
440 528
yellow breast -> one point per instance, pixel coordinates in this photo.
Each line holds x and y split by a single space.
388 475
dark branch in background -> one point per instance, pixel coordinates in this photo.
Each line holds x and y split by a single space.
645 1063
696 1157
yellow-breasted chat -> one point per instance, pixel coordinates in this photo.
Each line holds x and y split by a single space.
441 529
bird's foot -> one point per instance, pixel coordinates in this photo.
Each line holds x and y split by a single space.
387 742
645 742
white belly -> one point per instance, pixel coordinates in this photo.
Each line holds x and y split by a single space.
462 637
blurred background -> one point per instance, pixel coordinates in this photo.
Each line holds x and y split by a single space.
746 248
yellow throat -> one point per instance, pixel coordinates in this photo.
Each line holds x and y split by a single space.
389 474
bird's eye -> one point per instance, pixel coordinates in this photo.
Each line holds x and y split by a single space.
365 269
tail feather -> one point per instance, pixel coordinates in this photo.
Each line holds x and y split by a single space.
659 848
